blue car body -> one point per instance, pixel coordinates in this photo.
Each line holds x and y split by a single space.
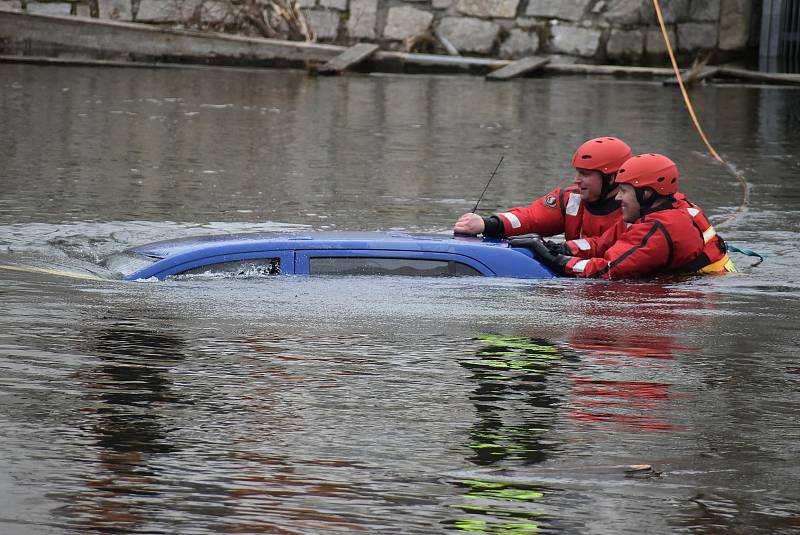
331 253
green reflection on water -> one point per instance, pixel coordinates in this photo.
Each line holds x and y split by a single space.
481 526
506 520
510 372
516 353
513 409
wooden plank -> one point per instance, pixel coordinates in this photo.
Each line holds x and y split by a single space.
518 68
350 57
441 61
775 78
614 70
691 76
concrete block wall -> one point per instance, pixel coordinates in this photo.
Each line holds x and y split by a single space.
602 31
79 8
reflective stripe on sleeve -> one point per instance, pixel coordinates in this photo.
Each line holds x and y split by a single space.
582 244
708 234
579 266
514 220
573 203
693 211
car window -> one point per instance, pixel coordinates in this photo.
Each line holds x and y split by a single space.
340 265
237 269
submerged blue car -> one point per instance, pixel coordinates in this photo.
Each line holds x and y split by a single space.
327 253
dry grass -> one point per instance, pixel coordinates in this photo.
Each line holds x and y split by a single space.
274 19
697 67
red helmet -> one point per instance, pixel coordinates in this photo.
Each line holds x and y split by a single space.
654 171
604 154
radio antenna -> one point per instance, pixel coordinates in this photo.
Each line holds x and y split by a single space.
487 184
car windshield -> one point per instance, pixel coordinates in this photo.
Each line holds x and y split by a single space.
124 264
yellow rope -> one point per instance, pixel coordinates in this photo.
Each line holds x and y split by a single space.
745 189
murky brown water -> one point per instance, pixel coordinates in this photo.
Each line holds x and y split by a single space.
382 405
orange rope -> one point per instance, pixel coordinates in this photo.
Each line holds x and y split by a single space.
745 188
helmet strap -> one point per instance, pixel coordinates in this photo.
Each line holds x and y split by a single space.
646 205
608 185
645 202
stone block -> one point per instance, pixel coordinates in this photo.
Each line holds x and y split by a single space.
734 23
574 40
213 10
489 8
563 59
625 44
306 3
82 10
341 5
599 7
441 4
155 11
115 9
624 12
11 5
404 21
673 11
363 17
526 23
654 41
469 34
697 36
519 43
557 9
704 11
324 22
50 8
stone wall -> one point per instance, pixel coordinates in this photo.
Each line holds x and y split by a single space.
598 31
77 7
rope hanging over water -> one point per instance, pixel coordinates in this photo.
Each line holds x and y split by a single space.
739 176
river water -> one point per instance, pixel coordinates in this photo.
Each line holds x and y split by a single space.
382 405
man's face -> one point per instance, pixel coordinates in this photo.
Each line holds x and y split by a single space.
591 184
626 195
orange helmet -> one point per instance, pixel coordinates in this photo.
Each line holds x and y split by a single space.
604 154
654 171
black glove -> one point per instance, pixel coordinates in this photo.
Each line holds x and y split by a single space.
558 248
534 242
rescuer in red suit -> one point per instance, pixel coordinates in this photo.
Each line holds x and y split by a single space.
660 234
586 209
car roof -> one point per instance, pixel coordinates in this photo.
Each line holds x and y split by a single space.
312 240
492 257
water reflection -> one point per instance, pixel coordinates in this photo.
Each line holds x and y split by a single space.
513 406
504 508
612 378
626 368
125 392
134 379
514 410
